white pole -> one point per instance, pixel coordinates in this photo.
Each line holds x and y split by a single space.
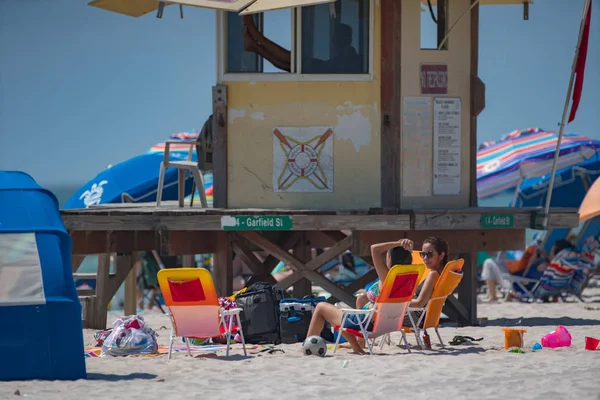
564 115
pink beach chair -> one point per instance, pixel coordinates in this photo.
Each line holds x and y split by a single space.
193 305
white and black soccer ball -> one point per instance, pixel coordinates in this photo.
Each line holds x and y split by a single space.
314 346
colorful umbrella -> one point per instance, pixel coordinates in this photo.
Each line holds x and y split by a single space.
136 180
529 153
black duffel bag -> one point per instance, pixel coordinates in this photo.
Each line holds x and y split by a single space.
260 313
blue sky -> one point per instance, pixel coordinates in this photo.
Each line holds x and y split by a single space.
81 88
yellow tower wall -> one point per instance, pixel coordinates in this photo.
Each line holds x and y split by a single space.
351 108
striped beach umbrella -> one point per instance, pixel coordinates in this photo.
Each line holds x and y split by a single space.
182 149
528 153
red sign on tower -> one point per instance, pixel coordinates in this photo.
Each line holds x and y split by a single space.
434 79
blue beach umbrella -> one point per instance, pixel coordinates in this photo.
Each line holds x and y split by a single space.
136 180
570 186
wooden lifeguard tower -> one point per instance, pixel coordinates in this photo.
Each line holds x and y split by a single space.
351 135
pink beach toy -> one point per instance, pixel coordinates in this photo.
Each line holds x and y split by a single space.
558 338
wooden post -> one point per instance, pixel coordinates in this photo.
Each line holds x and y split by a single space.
219 93
477 103
102 296
181 187
130 298
467 289
76 261
391 48
302 252
223 264
189 261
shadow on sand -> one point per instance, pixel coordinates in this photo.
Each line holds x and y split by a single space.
115 378
542 321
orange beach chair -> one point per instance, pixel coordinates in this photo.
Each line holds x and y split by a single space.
388 313
432 312
193 305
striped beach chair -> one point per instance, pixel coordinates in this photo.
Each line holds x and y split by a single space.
556 279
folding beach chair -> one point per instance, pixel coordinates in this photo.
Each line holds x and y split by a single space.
568 274
416 260
193 305
388 313
588 242
430 314
556 279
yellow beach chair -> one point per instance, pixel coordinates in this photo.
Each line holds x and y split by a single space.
388 313
193 305
432 312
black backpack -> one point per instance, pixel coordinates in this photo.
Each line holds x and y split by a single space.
260 313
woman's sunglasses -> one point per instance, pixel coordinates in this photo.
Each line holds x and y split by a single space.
426 254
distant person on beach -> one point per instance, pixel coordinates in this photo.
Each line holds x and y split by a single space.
147 268
494 269
386 255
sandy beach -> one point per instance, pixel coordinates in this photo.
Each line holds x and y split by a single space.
482 370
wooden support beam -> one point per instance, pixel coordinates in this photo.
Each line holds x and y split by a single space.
298 266
477 103
241 248
460 240
166 242
456 311
302 251
219 95
467 289
188 261
99 317
286 240
355 286
223 265
123 266
189 242
322 239
391 52
76 262
318 262
130 298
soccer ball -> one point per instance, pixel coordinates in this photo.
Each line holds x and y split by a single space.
314 345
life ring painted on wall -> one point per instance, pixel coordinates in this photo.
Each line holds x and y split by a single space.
303 160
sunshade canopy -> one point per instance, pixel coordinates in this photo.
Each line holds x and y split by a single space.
137 8
590 207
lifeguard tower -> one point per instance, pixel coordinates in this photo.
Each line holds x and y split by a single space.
332 128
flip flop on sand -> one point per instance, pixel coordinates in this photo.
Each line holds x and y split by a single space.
462 339
269 350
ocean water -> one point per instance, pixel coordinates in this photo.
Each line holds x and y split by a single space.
63 192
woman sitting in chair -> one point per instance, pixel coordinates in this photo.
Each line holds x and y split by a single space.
435 255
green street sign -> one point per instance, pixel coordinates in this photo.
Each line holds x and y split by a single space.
497 221
256 223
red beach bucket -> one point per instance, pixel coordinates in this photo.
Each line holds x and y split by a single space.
591 343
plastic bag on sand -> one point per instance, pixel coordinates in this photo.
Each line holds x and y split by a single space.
130 336
558 338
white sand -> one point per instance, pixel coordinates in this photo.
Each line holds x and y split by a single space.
480 371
